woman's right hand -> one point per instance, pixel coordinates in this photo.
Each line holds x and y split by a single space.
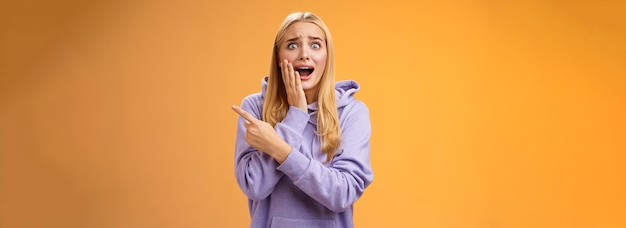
293 86
262 136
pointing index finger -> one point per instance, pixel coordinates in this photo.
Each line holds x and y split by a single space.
244 114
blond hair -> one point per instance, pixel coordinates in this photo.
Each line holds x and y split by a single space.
275 105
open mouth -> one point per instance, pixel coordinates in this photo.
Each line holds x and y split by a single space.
305 72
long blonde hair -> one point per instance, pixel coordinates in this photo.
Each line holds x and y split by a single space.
275 105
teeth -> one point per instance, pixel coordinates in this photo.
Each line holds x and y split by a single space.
304 68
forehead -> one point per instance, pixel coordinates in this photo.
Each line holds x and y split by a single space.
302 29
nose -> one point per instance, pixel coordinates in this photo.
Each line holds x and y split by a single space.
304 55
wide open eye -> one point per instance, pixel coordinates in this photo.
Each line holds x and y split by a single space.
316 46
292 45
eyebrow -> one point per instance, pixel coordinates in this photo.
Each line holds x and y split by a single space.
310 37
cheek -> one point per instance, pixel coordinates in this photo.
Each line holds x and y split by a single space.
320 60
286 55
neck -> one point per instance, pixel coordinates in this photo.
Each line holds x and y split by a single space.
311 95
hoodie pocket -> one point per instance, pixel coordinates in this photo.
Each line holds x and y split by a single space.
280 222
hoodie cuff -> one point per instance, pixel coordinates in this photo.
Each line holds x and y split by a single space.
295 165
296 119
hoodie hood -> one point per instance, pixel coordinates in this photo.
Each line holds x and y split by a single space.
344 92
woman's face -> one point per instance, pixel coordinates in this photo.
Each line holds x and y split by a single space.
304 46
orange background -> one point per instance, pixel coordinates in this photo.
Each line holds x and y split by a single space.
485 113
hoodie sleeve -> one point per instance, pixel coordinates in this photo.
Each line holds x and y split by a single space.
341 183
256 171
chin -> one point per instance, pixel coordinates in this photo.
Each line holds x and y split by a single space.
308 84
306 87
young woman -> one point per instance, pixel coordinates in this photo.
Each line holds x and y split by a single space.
302 153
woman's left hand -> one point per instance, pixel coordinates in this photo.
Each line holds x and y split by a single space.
262 136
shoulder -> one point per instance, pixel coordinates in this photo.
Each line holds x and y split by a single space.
253 104
354 118
354 108
253 99
356 105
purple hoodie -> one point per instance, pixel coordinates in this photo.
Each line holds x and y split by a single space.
304 191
